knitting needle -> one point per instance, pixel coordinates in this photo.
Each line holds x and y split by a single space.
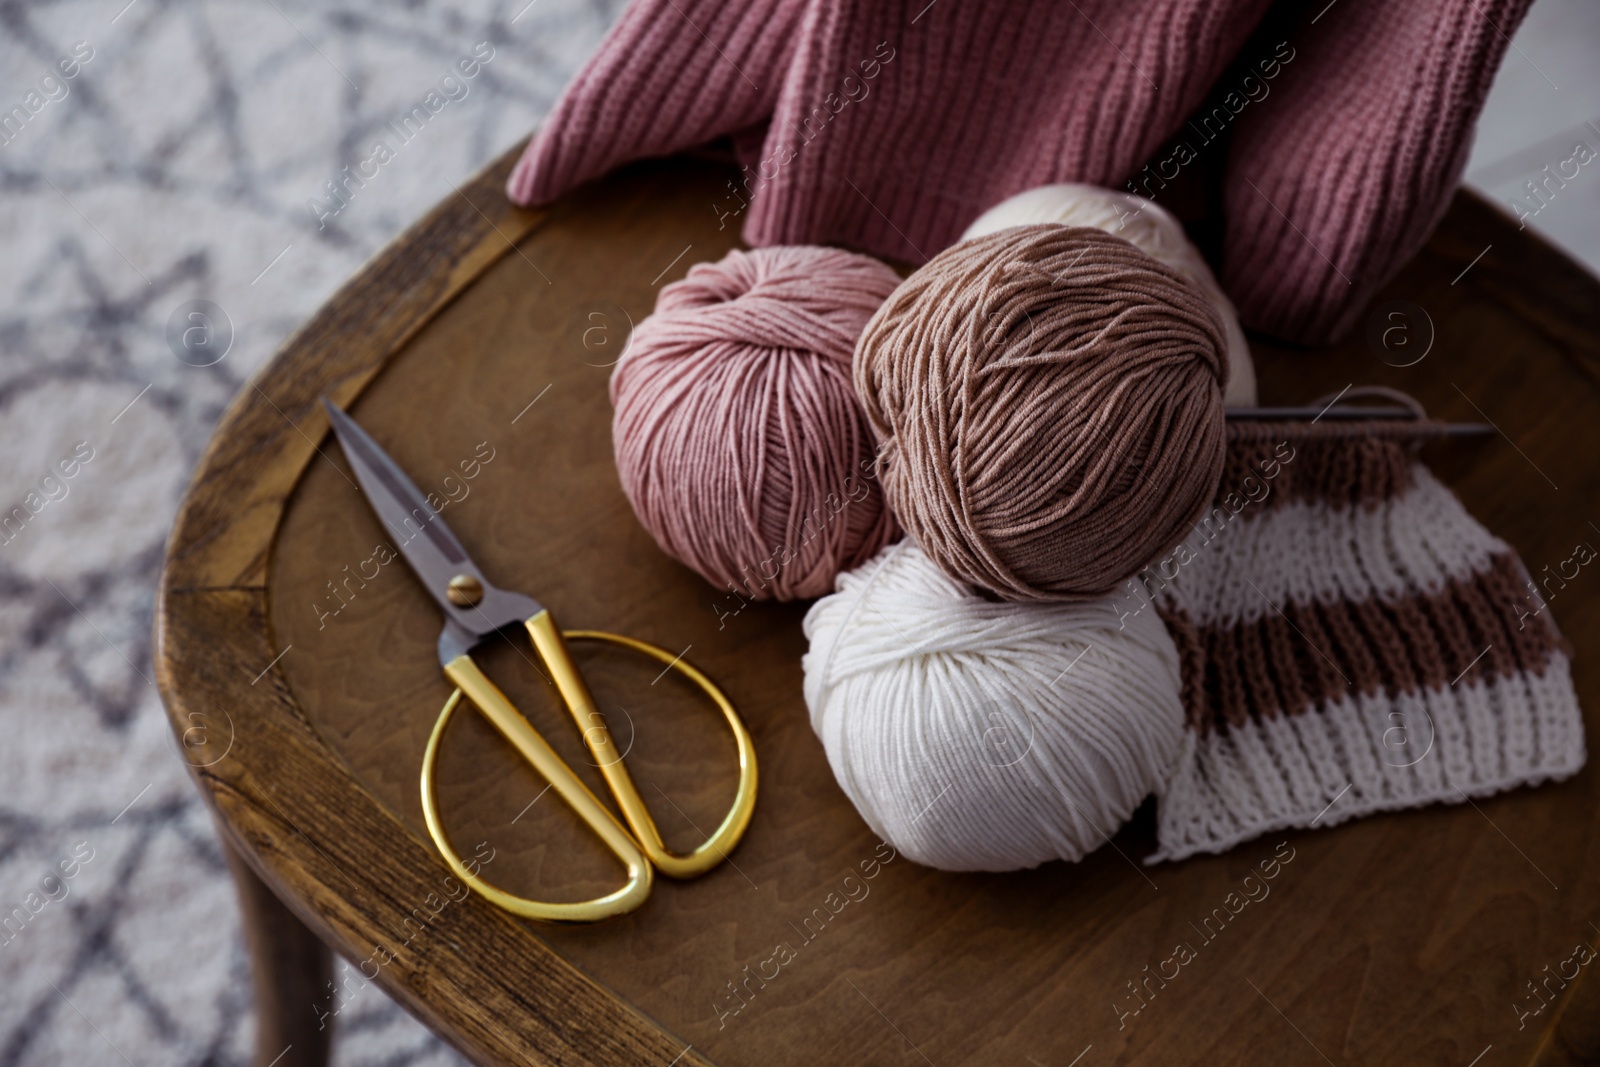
1453 429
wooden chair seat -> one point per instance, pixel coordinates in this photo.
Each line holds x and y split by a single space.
481 340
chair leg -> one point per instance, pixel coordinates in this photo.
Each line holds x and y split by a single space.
291 969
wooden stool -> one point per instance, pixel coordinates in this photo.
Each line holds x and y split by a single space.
297 664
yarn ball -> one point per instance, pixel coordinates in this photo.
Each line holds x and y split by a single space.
739 439
1048 404
978 736
1153 231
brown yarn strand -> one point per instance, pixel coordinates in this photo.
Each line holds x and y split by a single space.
1048 405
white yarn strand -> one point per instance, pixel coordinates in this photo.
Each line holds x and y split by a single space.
974 735
1149 228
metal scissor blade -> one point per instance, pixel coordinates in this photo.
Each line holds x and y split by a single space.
422 537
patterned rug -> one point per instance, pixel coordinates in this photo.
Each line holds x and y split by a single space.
156 153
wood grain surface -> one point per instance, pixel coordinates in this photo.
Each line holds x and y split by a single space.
1399 939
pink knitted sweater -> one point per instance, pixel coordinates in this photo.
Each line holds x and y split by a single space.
888 126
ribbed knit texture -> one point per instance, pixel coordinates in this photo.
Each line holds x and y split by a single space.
1339 178
966 105
671 74
890 126
1352 641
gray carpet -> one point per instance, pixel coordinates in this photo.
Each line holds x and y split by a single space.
175 165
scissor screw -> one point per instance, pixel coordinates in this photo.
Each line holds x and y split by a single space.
464 591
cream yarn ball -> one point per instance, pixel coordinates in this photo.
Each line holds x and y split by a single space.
1149 228
974 735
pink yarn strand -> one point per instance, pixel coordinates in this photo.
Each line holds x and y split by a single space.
738 435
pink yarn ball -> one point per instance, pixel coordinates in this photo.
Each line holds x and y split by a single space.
739 438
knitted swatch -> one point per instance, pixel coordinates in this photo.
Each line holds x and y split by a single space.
889 126
1352 641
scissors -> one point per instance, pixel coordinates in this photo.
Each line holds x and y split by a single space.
475 610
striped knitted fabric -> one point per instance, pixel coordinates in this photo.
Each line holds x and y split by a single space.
1352 641
889 125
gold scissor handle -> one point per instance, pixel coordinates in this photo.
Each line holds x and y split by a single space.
553 650
631 850
537 751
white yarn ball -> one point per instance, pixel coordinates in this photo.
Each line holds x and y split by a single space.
974 735
1149 228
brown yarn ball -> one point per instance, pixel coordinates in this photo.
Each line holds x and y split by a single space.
1048 405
